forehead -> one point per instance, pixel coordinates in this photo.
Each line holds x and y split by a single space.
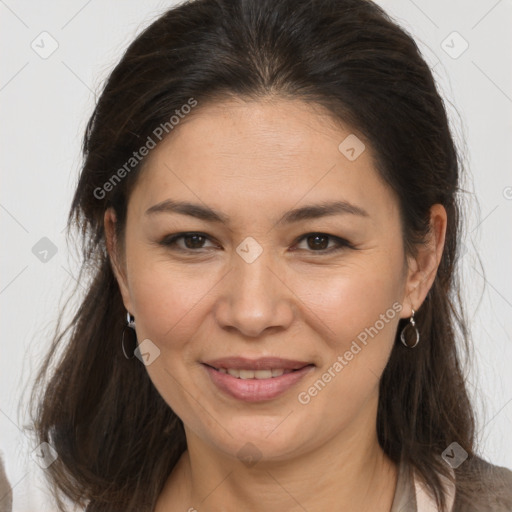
262 153
269 131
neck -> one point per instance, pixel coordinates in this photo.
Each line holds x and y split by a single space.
349 472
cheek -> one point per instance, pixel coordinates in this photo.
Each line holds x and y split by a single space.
166 294
362 314
348 300
357 310
168 300
171 304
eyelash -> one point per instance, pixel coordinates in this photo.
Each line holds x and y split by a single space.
171 240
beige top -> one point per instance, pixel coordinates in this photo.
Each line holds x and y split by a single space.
411 496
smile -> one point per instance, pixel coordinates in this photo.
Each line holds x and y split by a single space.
255 385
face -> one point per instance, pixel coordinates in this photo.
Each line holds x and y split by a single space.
289 256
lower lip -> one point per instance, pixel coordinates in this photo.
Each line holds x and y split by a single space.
256 390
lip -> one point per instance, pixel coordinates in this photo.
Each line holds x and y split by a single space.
256 390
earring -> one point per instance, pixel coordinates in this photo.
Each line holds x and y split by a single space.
130 323
412 325
130 320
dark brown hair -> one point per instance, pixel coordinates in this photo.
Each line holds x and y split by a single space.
116 438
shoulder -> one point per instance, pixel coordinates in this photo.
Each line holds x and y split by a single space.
5 490
482 486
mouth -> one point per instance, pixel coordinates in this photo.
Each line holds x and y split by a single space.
256 380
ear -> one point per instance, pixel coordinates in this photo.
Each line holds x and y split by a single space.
116 258
423 267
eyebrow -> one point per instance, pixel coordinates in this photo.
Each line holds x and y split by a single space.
206 213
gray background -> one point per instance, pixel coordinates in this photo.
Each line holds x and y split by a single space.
45 103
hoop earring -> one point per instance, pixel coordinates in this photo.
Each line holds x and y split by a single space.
412 325
130 325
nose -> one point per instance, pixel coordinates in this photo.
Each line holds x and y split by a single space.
255 297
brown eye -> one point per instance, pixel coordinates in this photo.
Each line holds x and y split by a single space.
194 241
319 242
191 241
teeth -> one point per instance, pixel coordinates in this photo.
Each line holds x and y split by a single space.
247 374
262 374
254 374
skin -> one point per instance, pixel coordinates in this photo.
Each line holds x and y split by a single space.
253 161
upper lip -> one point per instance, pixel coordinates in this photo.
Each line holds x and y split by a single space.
263 363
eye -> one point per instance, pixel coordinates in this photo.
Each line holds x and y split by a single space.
192 241
319 242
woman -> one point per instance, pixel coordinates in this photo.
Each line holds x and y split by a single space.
268 206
